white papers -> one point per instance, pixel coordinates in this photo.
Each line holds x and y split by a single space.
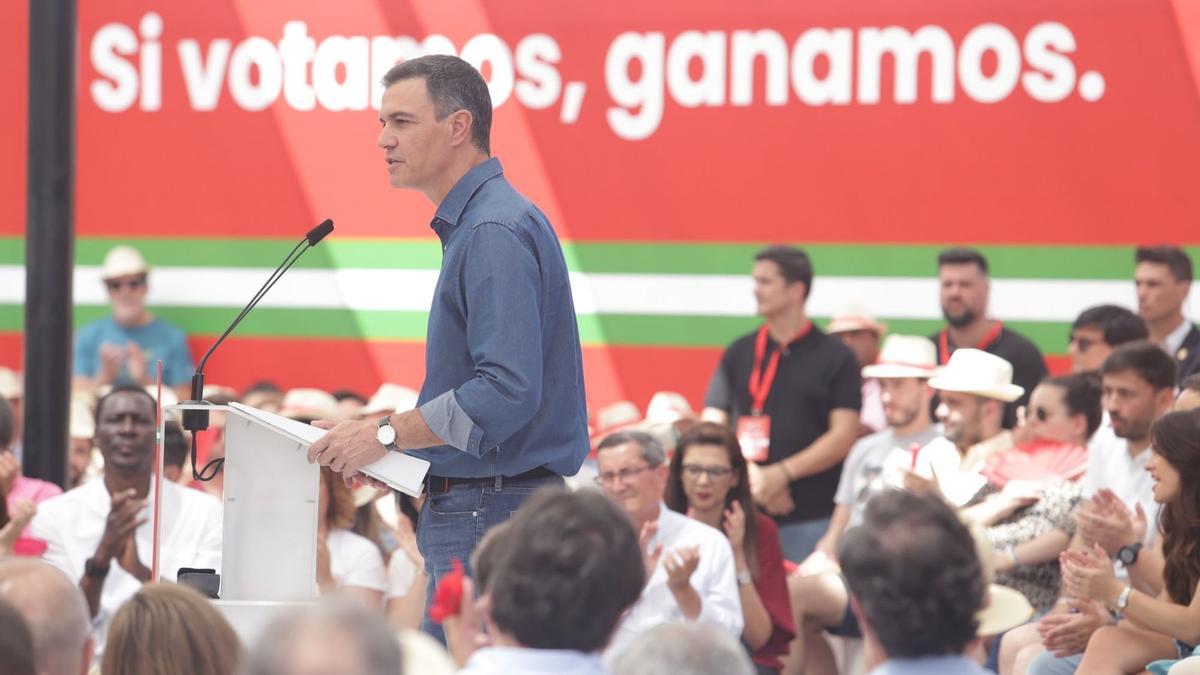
397 470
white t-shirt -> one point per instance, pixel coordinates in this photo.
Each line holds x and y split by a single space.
876 463
401 572
355 561
1110 466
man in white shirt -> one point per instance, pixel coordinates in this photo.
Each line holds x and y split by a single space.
690 570
1118 510
100 534
1164 277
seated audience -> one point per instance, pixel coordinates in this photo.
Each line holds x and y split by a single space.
122 348
345 560
169 629
337 635
349 402
83 461
691 572
555 582
1167 624
683 648
56 613
876 463
1099 330
406 576
1117 502
708 481
264 395
916 584
100 533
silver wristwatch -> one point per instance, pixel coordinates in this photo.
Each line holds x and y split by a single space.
386 434
1123 599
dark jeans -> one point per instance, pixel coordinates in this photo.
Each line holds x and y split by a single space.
453 522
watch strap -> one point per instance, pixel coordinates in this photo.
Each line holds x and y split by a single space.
93 569
1123 599
1128 555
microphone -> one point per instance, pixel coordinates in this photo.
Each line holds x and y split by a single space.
197 420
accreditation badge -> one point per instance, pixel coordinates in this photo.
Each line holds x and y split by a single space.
754 435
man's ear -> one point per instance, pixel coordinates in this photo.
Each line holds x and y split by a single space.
461 123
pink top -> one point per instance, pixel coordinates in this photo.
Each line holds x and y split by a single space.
31 489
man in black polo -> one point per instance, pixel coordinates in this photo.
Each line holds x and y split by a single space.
964 287
795 408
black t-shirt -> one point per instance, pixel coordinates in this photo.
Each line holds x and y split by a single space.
816 375
1029 368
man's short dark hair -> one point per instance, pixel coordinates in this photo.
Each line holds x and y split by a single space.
262 386
1145 358
652 451
1191 382
961 255
1172 256
793 263
572 567
1117 324
914 569
175 446
122 389
453 85
348 394
8 424
1083 397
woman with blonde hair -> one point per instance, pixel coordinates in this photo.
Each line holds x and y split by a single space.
346 561
169 629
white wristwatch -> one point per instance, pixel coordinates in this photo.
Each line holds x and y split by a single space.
386 434
1123 599
744 578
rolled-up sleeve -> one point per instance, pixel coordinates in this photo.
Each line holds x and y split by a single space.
502 291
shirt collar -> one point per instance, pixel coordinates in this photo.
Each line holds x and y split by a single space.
450 210
1175 338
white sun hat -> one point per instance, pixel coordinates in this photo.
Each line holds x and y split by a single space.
123 261
973 371
390 398
904 356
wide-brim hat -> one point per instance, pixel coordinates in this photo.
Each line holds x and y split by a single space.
904 356
974 371
852 317
390 398
123 261
1004 608
619 416
309 404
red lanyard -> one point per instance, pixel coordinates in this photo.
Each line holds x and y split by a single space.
761 379
988 339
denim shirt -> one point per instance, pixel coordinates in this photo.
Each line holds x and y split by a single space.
503 366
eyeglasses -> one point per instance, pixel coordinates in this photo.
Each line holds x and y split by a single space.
133 284
695 471
624 475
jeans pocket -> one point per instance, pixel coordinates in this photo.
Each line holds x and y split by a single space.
451 505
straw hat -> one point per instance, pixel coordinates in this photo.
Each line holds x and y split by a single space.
309 404
904 356
619 416
10 384
83 418
855 316
390 398
1004 608
972 371
668 407
123 261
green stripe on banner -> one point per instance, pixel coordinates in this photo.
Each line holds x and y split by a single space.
1027 262
613 329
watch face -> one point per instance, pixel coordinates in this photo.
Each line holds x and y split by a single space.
386 435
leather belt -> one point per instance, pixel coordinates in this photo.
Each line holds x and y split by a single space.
440 484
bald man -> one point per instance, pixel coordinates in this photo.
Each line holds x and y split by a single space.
56 613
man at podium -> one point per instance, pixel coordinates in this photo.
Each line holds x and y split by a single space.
502 409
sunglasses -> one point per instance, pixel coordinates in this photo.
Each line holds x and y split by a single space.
132 284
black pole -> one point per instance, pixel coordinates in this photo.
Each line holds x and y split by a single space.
49 234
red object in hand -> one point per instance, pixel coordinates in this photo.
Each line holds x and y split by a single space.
29 547
447 599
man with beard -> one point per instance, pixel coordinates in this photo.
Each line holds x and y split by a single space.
964 287
122 348
100 533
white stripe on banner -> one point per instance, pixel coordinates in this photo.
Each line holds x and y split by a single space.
646 294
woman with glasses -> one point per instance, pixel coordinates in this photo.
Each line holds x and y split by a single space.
708 482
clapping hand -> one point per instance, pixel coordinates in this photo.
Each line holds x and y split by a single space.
735 525
1067 633
1088 575
680 563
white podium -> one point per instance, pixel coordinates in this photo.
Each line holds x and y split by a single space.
269 525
